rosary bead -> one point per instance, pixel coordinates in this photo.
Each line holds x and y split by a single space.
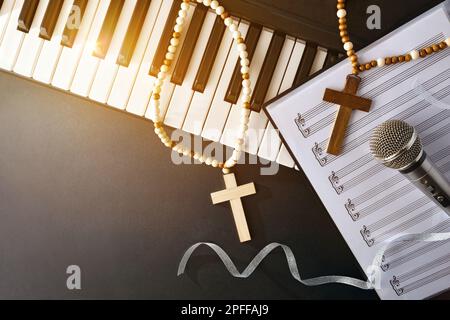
228 21
341 13
348 46
214 4
447 41
345 39
350 53
401 59
414 54
394 60
381 62
246 83
178 28
180 21
176 35
242 47
388 61
368 66
207 3
361 68
220 10
245 70
245 62
442 45
435 47
423 53
340 6
373 64
182 14
429 50
224 15
245 76
408 57
342 27
342 21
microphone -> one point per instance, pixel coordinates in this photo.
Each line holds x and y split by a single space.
397 145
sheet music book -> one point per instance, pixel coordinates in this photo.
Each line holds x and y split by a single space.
368 202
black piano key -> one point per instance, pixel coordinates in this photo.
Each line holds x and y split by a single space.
332 59
50 18
306 63
108 28
71 30
27 15
133 32
235 86
207 63
179 72
267 70
164 41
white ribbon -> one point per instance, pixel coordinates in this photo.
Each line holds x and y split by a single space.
292 263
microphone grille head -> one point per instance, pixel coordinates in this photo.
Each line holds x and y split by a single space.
396 144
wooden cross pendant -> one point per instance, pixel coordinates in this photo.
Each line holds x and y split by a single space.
233 193
348 101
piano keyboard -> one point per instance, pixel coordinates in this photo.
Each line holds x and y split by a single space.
110 50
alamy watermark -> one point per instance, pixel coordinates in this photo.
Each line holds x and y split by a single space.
73 281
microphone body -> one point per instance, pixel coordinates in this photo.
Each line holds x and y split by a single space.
397 145
428 179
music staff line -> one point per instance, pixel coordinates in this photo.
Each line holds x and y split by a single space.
376 167
308 131
397 248
357 215
318 148
375 74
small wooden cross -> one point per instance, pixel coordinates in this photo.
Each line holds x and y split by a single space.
233 193
348 101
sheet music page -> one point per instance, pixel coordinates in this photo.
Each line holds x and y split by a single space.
368 202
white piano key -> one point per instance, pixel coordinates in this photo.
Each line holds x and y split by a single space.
126 76
319 60
51 50
198 109
5 13
284 158
168 87
258 120
32 44
271 143
234 119
140 94
68 61
108 67
87 67
12 39
220 109
182 95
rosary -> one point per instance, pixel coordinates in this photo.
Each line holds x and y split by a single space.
348 101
